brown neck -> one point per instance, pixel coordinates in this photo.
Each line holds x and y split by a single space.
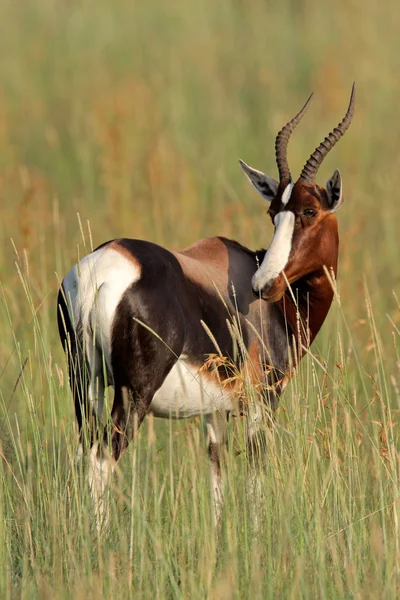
314 296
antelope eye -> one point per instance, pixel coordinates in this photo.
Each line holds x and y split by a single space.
309 212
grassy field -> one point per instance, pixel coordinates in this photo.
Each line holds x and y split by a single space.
133 115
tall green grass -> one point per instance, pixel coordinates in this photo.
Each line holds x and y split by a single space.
133 115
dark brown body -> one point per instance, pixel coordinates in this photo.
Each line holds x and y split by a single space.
160 317
146 320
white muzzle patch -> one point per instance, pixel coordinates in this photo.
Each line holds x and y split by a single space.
277 255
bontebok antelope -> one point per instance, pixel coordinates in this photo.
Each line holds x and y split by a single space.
146 320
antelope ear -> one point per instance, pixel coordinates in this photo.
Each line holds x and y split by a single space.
334 191
265 185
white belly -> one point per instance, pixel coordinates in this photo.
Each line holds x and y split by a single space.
187 393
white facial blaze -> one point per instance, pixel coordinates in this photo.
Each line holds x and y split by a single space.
277 255
287 193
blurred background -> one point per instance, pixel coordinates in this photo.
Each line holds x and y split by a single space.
134 115
127 119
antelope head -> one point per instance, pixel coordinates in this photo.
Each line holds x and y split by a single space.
303 213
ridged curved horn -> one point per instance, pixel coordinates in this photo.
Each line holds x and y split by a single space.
311 167
281 143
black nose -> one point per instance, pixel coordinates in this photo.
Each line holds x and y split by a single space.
261 294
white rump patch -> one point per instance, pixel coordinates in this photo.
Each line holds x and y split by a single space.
277 255
287 193
93 289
